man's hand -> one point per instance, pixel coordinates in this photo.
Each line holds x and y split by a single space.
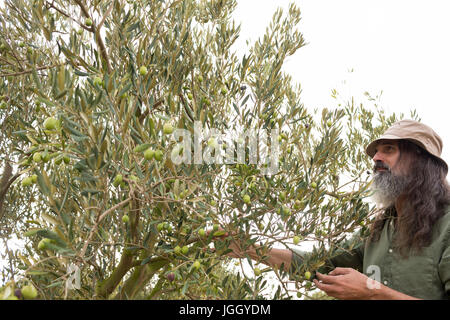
349 284
346 284
275 257
236 250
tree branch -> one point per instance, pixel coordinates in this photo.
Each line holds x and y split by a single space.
96 32
51 5
106 287
185 107
139 278
109 285
7 180
101 217
155 105
29 71
106 14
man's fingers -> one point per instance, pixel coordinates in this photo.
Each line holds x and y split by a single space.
325 278
218 234
328 288
339 271
221 235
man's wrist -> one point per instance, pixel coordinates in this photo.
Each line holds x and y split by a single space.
377 292
383 292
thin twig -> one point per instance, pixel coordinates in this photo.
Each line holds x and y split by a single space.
106 15
101 217
29 71
98 38
155 105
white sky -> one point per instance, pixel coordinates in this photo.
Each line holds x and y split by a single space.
399 47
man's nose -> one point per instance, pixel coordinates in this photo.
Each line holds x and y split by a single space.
378 157
380 165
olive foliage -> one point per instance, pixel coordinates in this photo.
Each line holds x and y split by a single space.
79 63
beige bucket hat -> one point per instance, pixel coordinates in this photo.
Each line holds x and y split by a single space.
417 133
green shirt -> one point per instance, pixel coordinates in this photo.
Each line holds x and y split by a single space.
425 275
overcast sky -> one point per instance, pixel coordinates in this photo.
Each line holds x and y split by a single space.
399 47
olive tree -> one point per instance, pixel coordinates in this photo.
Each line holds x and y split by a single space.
100 99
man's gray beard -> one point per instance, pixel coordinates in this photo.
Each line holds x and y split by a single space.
387 188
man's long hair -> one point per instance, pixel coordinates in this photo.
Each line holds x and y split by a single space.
426 198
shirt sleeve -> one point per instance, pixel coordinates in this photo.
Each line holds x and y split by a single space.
298 256
344 257
444 266
349 259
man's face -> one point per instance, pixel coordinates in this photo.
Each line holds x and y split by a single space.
386 156
390 175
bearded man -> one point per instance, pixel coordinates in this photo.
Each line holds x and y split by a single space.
407 254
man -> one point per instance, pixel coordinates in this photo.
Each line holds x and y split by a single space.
408 249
